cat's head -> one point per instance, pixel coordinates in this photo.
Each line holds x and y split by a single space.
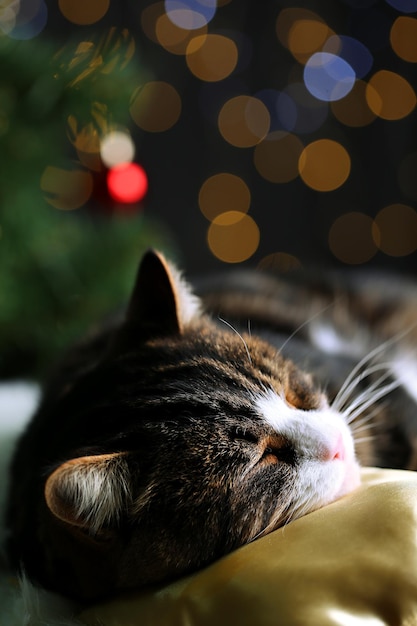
199 440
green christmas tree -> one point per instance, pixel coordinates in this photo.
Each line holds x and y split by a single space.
60 270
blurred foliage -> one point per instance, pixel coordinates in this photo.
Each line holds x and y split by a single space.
59 271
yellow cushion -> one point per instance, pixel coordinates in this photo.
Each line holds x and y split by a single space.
352 563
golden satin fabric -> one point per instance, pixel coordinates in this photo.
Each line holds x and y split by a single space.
352 563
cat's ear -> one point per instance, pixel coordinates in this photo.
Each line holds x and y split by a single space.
90 492
161 302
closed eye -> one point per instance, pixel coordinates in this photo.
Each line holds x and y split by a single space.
242 434
278 450
273 449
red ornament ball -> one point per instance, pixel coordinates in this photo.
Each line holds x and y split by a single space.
127 183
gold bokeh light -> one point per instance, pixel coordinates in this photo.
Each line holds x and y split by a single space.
66 189
174 38
276 157
403 38
149 18
211 57
353 110
244 121
352 238
307 37
324 165
83 13
223 192
396 230
390 96
302 31
233 237
155 106
280 262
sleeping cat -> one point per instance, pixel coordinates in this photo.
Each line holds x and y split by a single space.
175 436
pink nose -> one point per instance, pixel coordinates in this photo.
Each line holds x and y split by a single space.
338 451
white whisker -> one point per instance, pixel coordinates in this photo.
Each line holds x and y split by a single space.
364 395
364 423
367 359
364 439
365 420
383 391
342 398
366 427
306 322
239 335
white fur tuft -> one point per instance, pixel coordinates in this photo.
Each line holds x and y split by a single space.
97 486
189 305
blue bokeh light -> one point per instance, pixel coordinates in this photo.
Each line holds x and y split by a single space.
352 51
328 77
405 6
29 28
190 14
281 107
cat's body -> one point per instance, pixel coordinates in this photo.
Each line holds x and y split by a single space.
173 438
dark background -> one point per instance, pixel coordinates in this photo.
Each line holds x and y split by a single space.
298 224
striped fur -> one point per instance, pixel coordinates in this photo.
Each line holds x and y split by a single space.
175 436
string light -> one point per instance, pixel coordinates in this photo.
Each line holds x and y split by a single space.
395 230
83 13
223 192
66 189
328 77
302 31
155 106
353 109
307 36
190 14
390 96
352 51
352 238
211 57
23 19
405 6
280 261
276 157
149 18
174 38
233 237
244 121
331 72
117 147
403 38
324 165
